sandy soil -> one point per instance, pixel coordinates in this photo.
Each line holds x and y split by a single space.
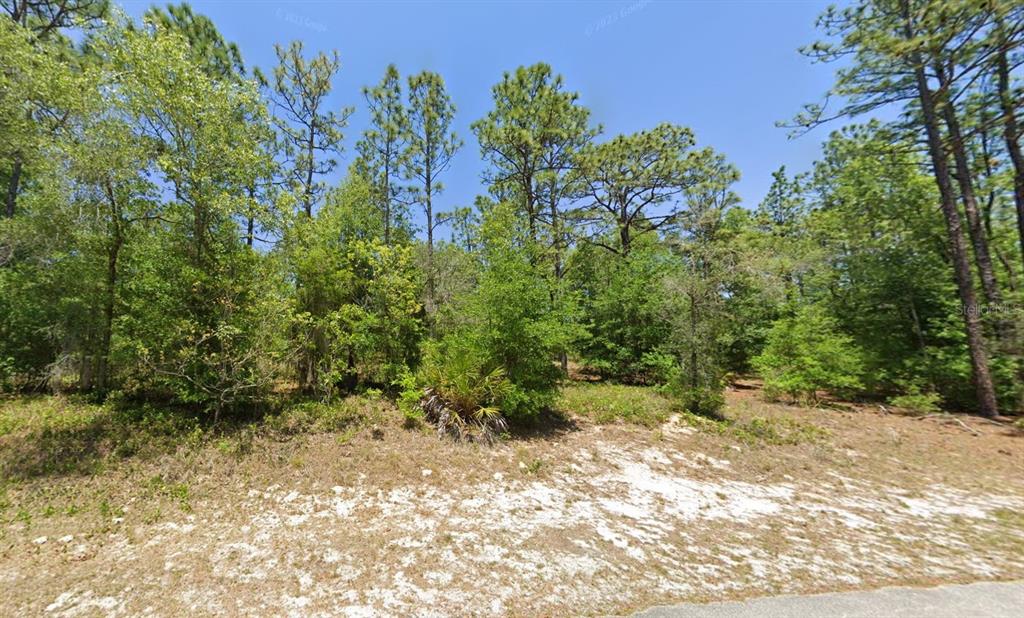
585 519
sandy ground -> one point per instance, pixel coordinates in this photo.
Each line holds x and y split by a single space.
587 519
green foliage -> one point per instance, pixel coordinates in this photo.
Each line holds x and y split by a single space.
55 435
466 390
631 182
511 333
760 431
624 308
703 395
918 402
213 338
530 140
382 150
310 134
219 58
175 240
806 353
357 298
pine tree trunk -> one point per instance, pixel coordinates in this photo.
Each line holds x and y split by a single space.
250 222
975 227
12 187
1011 135
430 245
387 196
961 266
556 234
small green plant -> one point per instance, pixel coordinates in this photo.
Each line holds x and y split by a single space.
179 492
758 430
533 467
316 417
24 517
701 393
918 402
346 436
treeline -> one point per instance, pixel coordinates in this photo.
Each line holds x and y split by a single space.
170 233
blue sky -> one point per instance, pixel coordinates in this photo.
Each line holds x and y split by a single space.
728 70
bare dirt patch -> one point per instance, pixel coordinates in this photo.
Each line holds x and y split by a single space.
583 519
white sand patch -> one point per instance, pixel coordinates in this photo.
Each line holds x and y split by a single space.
84 603
608 526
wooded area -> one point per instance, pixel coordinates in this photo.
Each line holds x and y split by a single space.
171 234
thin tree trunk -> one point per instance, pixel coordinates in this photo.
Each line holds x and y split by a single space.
428 205
387 195
556 233
918 331
1011 136
12 186
961 266
308 197
110 292
624 238
975 227
250 220
103 374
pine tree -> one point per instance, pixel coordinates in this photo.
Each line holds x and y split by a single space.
432 144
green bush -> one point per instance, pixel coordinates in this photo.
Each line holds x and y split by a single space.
623 307
805 354
918 402
500 358
699 390
463 391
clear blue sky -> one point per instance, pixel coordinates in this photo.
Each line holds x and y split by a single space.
728 70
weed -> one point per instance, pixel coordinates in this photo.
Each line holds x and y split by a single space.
918 403
533 467
760 430
609 403
345 436
179 492
319 417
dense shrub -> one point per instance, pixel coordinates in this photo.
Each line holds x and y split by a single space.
214 338
703 393
358 313
805 354
501 357
623 309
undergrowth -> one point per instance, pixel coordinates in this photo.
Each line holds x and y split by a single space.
609 403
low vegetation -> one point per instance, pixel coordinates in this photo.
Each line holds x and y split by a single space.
609 403
46 435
